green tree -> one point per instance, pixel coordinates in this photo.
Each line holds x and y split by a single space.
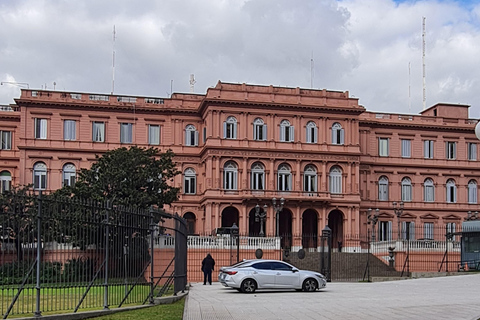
136 176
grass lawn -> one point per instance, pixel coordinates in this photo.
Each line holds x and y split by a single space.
172 311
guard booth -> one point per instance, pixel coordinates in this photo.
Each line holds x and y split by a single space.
470 244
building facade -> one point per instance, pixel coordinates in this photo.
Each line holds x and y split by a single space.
319 155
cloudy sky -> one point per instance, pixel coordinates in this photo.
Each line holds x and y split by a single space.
371 48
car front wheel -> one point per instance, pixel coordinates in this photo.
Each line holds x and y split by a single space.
310 285
248 286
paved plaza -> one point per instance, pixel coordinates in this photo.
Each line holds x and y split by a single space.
453 297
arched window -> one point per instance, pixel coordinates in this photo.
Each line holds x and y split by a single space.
284 181
257 180
335 180
406 189
259 130
5 181
191 136
451 191
383 188
312 132
69 174
230 176
230 128
428 190
191 222
472 191
337 134
40 176
310 179
286 131
189 181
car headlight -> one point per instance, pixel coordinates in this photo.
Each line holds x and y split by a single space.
321 276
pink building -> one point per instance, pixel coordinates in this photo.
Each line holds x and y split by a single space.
239 146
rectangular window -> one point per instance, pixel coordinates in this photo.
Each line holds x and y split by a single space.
6 140
40 128
383 147
69 130
451 230
472 151
385 231
428 230
260 132
406 148
126 132
153 134
190 185
98 131
428 149
408 230
451 148
257 181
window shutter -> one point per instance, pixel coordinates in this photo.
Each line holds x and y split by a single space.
264 132
196 138
342 136
292 134
315 135
224 130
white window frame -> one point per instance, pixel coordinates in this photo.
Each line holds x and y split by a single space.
310 179
428 190
451 149
428 150
191 136
472 151
284 178
406 148
126 132
40 176
452 228
451 190
40 128
190 181
410 234
230 176
5 181
259 130
312 132
6 140
154 134
257 179
428 230
384 230
472 192
406 190
338 134
98 131
335 180
383 188
287 132
69 130
383 147
69 175
230 128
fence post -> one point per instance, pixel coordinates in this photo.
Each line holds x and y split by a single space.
38 313
107 231
327 266
152 243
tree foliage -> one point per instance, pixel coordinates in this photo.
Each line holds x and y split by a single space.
134 176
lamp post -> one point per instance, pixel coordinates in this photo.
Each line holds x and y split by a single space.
398 212
261 216
373 219
278 207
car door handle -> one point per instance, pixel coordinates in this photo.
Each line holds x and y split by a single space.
279 274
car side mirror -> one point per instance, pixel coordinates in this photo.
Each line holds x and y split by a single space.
294 270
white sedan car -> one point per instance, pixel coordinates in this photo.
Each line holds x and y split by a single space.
251 275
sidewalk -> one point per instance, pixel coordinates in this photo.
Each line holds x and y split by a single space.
453 297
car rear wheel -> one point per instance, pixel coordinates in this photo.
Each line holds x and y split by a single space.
248 286
310 285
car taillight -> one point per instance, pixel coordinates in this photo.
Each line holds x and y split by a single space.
230 272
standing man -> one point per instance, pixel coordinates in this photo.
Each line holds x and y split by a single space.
207 267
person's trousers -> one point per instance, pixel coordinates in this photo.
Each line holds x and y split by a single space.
207 276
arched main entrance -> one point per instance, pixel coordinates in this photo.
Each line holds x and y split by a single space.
310 229
229 217
335 223
191 220
254 227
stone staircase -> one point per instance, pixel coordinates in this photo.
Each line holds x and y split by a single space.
345 266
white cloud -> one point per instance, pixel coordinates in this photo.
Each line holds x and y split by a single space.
364 47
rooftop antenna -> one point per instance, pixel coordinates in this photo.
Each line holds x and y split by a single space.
192 83
312 65
423 62
113 61
171 87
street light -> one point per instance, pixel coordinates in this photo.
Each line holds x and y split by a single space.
260 216
373 219
398 212
278 207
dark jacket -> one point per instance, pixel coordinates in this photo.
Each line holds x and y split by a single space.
208 263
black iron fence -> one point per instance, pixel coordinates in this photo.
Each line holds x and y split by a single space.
59 254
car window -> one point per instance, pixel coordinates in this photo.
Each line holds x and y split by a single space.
262 266
280 266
